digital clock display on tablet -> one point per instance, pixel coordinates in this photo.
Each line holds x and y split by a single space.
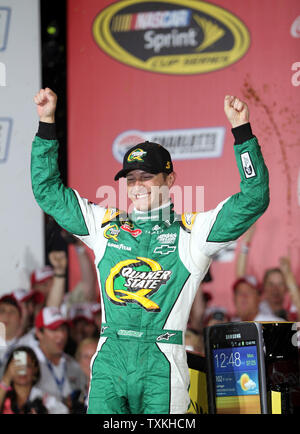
236 379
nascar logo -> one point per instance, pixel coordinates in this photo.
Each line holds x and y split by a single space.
171 36
151 20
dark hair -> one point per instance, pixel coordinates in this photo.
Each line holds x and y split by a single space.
33 357
12 302
270 271
12 394
37 405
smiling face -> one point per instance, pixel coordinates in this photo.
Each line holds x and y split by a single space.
147 190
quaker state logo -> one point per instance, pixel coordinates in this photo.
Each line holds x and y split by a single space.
134 281
136 155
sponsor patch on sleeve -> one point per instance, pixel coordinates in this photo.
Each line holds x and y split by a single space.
112 214
187 221
247 165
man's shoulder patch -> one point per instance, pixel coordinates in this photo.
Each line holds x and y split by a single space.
112 214
187 220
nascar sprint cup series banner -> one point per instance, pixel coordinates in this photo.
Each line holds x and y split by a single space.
159 70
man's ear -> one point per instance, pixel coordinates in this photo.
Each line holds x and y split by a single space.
38 333
171 179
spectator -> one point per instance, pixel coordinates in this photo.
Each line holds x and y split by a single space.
274 287
61 375
197 310
274 291
84 291
82 325
293 288
28 299
59 262
84 354
194 342
247 295
199 305
215 315
11 318
41 283
96 309
18 391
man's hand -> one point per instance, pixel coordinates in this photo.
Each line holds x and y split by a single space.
285 267
249 235
46 101
236 111
59 261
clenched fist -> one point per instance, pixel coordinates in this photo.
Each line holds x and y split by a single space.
236 111
59 261
46 101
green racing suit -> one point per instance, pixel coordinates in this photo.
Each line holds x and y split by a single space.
149 268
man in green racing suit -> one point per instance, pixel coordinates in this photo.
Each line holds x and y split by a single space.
149 263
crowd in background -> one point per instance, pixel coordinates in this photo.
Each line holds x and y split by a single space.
51 334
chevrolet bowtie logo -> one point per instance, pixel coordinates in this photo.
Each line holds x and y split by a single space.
166 336
165 249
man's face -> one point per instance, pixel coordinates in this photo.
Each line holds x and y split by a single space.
11 318
82 329
148 190
274 290
53 342
246 301
85 356
44 287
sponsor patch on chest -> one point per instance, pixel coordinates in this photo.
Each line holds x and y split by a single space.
167 238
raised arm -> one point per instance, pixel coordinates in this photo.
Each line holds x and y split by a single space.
71 212
291 283
59 262
212 230
242 257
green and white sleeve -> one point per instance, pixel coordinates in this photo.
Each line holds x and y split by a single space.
215 229
75 214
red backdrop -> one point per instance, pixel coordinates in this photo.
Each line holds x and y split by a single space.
107 97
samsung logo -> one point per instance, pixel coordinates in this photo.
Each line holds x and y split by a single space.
233 336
